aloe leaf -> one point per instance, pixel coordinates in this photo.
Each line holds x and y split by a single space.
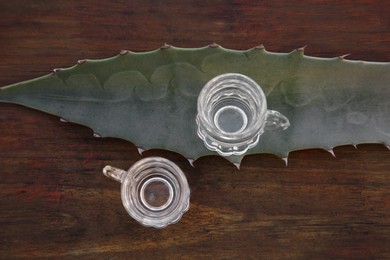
150 98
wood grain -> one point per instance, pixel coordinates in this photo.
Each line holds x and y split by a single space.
54 201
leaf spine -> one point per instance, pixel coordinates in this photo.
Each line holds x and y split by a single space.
238 165
191 162
342 57
165 46
285 159
96 135
259 47
331 152
123 52
302 49
214 45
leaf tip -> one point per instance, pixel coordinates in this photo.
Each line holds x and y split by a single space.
387 146
140 150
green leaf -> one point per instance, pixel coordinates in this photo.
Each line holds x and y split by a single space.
150 98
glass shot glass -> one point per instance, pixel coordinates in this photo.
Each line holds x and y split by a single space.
154 191
232 114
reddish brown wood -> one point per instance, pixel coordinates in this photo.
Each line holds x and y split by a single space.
54 201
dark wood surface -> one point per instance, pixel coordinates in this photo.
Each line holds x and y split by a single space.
54 201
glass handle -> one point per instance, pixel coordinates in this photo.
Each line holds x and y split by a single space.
275 120
114 173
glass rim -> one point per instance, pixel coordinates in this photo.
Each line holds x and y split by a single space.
149 217
211 86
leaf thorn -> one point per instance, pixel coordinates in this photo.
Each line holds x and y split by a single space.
96 135
388 146
331 152
165 46
79 62
238 165
140 150
260 47
63 120
56 70
191 161
214 45
285 159
123 52
302 49
343 56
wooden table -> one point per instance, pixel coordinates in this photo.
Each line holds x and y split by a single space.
54 201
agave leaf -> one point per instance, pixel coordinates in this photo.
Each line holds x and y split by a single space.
150 98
